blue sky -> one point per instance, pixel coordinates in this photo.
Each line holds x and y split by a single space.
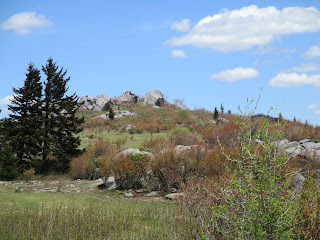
205 52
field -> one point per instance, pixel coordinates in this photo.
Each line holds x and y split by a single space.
64 209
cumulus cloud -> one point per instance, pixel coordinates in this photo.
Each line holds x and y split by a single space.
294 80
312 106
233 75
6 100
22 23
247 27
312 52
178 53
182 26
306 67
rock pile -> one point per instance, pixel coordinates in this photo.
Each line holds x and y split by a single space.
153 98
302 147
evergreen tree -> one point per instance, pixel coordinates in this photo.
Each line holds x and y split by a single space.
111 113
216 113
107 106
222 109
8 160
60 124
24 128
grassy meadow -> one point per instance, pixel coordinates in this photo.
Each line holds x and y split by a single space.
80 210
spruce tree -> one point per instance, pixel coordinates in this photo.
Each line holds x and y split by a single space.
111 113
222 109
60 123
24 125
215 114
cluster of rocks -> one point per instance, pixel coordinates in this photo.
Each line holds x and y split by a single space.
302 147
153 98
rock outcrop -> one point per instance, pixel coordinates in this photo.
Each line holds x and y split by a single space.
94 103
154 98
302 147
126 97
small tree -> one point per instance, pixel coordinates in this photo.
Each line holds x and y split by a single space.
222 109
216 113
107 106
281 119
111 113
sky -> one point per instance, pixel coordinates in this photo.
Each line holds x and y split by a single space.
205 52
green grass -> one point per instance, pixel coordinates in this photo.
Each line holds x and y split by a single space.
89 214
133 140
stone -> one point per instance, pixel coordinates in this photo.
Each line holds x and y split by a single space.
305 141
298 181
92 103
282 143
151 194
128 195
292 144
173 196
311 145
221 120
70 185
173 190
133 151
110 183
140 191
1 183
294 151
154 97
126 97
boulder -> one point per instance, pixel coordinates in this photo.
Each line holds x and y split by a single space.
126 97
92 103
151 194
173 196
154 97
311 145
221 120
110 183
294 151
133 151
128 195
298 181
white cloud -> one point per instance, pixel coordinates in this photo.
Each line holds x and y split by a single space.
22 23
178 53
312 106
6 100
317 112
233 75
247 27
294 80
306 67
182 26
312 52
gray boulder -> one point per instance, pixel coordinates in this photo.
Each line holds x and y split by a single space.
133 151
126 97
154 97
92 103
173 196
298 181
